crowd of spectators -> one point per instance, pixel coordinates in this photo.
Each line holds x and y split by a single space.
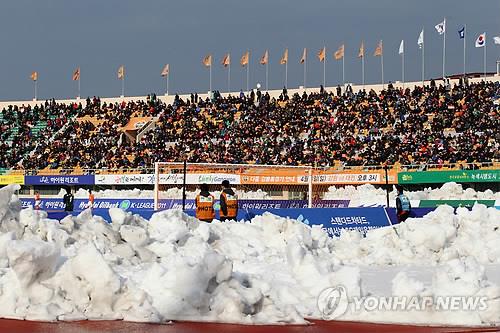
435 124
17 128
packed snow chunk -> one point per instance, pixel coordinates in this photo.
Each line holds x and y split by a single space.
100 283
32 260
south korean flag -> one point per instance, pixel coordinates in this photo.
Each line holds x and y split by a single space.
481 40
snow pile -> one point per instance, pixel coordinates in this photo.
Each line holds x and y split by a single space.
436 238
369 195
269 270
171 193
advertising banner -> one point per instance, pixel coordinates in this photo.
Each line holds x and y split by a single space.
59 180
458 176
11 179
333 220
172 179
148 204
455 203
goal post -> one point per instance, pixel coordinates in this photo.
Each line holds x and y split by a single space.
178 181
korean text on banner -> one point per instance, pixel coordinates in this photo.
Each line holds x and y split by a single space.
60 180
11 179
459 176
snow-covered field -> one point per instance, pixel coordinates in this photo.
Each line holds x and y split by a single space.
268 270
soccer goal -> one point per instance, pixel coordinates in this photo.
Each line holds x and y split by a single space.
176 184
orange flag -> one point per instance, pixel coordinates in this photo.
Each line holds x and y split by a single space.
226 61
378 50
34 76
361 52
121 72
339 54
165 70
76 75
244 59
304 56
284 58
321 54
265 58
207 61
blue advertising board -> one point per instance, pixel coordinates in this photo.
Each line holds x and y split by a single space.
148 204
333 220
59 180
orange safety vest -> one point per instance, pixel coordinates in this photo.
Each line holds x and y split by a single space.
91 198
231 204
205 207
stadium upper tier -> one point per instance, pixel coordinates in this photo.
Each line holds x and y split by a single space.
436 124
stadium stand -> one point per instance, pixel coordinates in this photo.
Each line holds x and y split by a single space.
435 124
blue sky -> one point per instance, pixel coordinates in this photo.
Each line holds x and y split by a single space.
55 36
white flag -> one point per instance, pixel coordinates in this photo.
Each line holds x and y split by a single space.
420 41
402 47
481 40
496 40
441 27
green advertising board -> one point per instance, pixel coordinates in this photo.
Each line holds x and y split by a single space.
458 176
455 203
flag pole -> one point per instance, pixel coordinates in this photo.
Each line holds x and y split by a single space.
229 77
305 64
324 68
363 70
123 86
484 60
423 56
168 75
79 96
286 74
343 67
444 49
210 74
35 88
465 37
267 74
248 71
382 63
403 65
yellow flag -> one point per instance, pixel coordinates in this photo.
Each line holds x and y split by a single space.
165 70
361 52
304 56
226 61
244 58
265 58
121 72
321 54
34 76
378 50
339 54
76 74
284 58
207 61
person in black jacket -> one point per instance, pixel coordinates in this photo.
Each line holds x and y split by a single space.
228 203
68 200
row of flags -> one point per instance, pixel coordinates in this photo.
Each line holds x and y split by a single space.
321 55
75 76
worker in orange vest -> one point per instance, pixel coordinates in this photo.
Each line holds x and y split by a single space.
205 205
90 204
228 202
38 201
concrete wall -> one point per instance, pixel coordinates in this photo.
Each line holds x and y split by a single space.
274 93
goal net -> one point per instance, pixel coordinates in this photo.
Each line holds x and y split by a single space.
177 184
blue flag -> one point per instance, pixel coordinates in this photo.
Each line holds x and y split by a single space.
461 33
